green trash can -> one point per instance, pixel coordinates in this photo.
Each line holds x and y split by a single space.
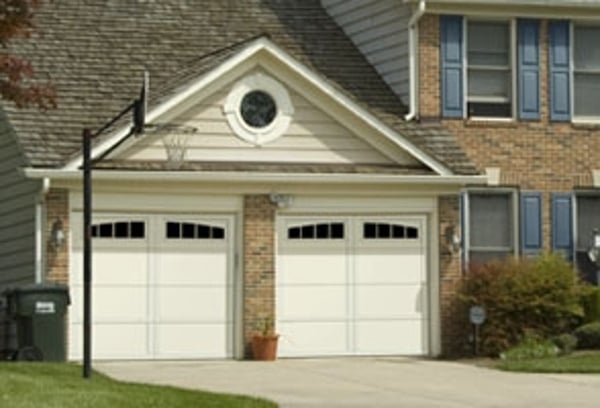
39 312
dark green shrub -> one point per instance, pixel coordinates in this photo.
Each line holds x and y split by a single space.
588 336
566 342
529 348
541 297
591 305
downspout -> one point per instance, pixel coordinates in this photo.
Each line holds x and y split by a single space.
39 231
413 38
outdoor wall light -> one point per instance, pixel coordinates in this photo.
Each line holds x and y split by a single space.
282 200
57 237
453 240
594 252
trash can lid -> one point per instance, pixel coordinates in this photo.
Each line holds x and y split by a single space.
40 288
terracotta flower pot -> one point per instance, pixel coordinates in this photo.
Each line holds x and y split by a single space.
264 348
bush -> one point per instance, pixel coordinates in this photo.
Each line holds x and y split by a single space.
591 305
588 336
541 297
529 348
567 343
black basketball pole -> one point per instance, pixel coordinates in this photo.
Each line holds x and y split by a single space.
87 254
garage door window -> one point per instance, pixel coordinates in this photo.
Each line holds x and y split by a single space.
121 229
333 230
188 230
378 230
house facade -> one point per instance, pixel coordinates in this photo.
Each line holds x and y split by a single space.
516 82
313 163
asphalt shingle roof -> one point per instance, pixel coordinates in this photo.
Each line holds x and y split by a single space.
94 52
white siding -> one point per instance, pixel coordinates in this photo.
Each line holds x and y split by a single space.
312 137
379 28
17 214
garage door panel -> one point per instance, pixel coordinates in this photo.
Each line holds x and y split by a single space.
192 340
117 267
131 341
191 304
389 301
197 268
390 337
389 268
114 304
317 269
312 302
313 338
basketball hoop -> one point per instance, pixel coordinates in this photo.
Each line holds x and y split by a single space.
176 148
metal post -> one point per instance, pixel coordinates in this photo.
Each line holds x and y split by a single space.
87 254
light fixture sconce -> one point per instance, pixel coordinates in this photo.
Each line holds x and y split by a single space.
57 237
281 200
452 239
594 251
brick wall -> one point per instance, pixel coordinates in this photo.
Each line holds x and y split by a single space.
259 264
532 155
57 261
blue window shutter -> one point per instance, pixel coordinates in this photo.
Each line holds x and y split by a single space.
451 40
560 77
529 69
531 222
562 224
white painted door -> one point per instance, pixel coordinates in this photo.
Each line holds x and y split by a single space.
162 287
351 286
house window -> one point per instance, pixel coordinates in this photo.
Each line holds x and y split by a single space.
490 223
120 230
586 72
334 230
588 220
489 69
188 230
373 230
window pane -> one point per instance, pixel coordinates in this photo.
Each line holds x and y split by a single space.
121 229
294 233
337 230
490 220
488 43
412 232
106 230
187 230
203 231
398 231
489 83
218 233
479 257
308 231
369 230
588 219
322 231
138 229
383 230
173 230
587 94
586 47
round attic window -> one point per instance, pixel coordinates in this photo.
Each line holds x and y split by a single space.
258 109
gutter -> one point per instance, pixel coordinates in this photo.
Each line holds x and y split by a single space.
413 38
246 177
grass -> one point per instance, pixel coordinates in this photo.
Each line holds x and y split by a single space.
581 362
33 385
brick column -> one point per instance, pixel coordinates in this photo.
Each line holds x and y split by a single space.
429 66
452 315
57 260
259 264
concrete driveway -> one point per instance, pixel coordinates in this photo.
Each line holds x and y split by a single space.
367 382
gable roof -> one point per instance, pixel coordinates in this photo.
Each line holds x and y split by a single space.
95 53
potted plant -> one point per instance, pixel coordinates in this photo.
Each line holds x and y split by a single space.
264 342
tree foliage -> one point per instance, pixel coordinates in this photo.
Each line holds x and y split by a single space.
17 73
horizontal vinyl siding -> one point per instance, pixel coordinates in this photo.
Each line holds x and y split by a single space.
379 28
312 137
17 214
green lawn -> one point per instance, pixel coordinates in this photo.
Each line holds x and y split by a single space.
34 385
582 362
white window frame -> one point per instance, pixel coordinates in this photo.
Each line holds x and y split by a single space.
574 117
514 195
513 67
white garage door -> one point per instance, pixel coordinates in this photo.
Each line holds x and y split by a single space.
351 286
162 287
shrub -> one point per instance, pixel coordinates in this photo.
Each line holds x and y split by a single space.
567 343
541 297
531 347
588 336
591 305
